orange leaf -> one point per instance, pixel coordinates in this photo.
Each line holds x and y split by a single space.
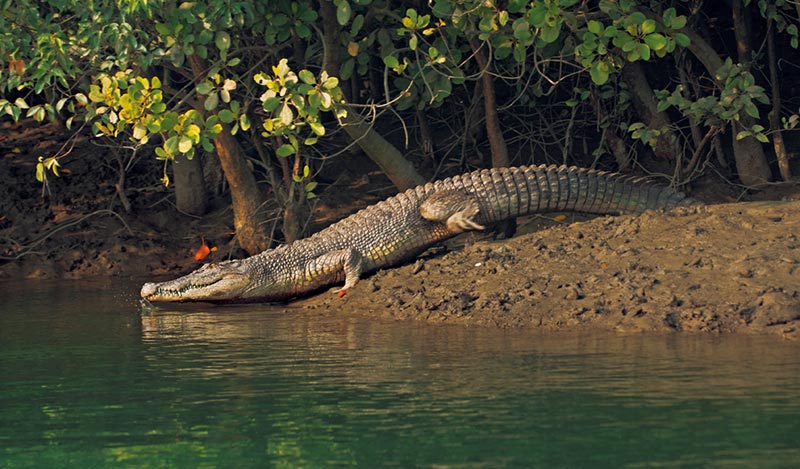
204 251
560 217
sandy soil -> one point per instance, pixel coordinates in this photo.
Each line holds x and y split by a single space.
722 268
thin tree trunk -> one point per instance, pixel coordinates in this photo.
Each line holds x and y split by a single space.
644 100
741 29
398 169
774 114
493 129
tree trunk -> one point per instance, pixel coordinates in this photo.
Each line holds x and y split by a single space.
493 129
775 113
494 133
396 167
190 188
245 197
644 100
751 162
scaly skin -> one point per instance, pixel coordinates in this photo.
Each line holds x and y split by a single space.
403 226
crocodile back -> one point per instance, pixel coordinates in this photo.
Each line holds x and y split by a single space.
504 193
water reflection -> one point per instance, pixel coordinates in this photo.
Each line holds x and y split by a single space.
87 380
355 350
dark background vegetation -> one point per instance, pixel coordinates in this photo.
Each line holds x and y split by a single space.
160 125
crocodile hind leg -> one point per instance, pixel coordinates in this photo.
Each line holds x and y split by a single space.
454 208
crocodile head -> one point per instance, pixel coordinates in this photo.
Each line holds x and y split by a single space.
212 282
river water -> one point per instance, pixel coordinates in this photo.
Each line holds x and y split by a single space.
88 380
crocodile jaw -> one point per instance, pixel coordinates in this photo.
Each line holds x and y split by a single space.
212 282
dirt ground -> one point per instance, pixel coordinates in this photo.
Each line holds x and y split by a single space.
720 268
717 268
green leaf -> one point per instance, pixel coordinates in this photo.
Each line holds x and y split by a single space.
285 150
682 40
270 104
358 23
227 116
286 114
595 27
343 12
176 56
193 132
331 83
346 70
751 109
668 16
244 122
311 186
762 138
648 27
743 134
307 77
678 23
656 41
171 146
39 113
599 73
163 29
644 51
223 40
185 144
139 131
637 18
391 61
550 33
502 17
212 101
204 88
317 128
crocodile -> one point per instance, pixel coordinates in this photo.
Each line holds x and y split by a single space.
405 225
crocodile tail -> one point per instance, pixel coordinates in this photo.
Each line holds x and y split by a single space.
504 193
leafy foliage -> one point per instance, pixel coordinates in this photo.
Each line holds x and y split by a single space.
176 74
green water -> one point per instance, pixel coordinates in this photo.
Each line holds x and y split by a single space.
87 381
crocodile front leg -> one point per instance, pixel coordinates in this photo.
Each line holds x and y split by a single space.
328 268
454 208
